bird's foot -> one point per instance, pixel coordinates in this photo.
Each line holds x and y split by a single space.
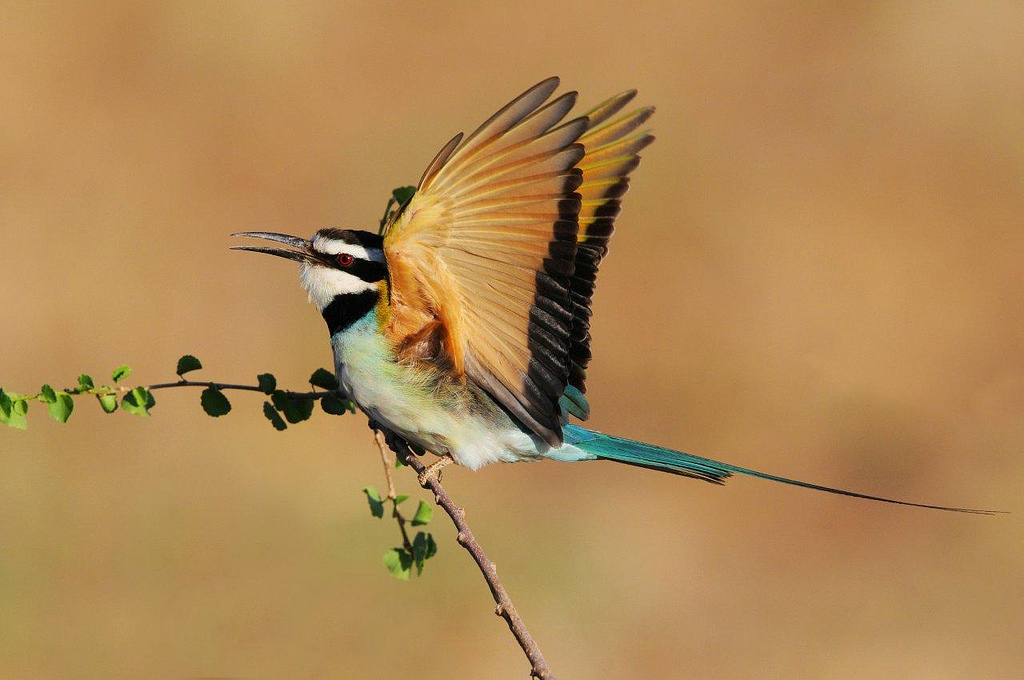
434 470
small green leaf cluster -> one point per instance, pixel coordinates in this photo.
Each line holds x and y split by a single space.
61 403
414 552
298 407
399 197
283 407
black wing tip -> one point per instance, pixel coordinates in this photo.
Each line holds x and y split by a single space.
549 84
644 114
645 141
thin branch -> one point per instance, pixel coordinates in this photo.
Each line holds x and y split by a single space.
316 394
505 608
381 441
231 386
428 479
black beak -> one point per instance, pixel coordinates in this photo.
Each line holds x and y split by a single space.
303 253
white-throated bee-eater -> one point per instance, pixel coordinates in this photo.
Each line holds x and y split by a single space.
463 328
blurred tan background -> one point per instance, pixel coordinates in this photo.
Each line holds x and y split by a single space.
818 273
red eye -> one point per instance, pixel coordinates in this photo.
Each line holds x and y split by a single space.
345 260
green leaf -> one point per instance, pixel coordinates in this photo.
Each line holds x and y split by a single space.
108 402
5 407
61 407
423 548
301 410
401 498
18 421
424 513
138 402
335 405
272 415
267 382
121 372
323 378
47 395
398 563
295 409
85 382
214 402
419 548
403 194
375 501
13 410
187 364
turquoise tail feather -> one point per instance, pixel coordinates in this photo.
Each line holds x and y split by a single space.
605 447
575 403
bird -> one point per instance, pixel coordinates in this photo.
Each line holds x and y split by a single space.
462 326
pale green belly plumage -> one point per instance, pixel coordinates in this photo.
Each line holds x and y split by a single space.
441 415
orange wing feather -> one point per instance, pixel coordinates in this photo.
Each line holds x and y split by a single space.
483 259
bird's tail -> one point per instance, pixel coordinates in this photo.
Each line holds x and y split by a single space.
606 447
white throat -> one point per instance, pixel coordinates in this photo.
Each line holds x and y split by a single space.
324 283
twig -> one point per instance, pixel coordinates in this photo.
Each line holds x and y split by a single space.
428 479
316 394
231 386
380 440
382 446
505 608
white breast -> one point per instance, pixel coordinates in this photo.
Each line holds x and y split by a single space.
396 396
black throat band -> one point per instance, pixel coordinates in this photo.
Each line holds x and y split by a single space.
345 310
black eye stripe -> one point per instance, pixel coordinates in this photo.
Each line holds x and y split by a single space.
367 270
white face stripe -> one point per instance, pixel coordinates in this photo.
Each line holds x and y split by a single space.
332 246
323 283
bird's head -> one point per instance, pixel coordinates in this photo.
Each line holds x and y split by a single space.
341 269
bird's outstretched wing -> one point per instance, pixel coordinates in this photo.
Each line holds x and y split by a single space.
484 267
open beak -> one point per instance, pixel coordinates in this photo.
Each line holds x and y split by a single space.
303 249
